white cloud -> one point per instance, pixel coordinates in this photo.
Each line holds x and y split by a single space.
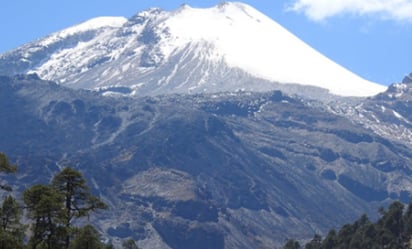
400 10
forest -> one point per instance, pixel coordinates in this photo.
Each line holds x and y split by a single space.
52 213
392 230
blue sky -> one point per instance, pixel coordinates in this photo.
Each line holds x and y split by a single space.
370 37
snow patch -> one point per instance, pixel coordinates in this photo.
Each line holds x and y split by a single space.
399 116
92 24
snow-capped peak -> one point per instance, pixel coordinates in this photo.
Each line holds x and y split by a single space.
227 47
249 40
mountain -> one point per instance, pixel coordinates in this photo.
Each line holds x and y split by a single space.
205 128
228 47
222 170
387 114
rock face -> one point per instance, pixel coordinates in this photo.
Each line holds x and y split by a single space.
223 170
387 114
407 79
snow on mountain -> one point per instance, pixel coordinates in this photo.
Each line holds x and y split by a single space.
92 24
251 41
227 47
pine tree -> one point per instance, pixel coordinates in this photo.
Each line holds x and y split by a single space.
130 244
330 241
390 225
44 205
292 244
407 223
78 200
10 215
9 241
6 167
315 243
11 230
87 238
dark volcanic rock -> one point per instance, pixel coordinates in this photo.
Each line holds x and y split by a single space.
186 236
239 170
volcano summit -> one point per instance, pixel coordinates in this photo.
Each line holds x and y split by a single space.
228 47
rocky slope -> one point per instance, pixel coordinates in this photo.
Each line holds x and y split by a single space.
387 114
226 170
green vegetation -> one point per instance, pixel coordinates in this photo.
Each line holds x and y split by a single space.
130 244
52 211
392 230
77 199
6 167
86 238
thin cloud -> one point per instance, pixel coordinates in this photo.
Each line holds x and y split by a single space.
318 10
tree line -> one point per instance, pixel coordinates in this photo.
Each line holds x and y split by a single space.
52 211
393 230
